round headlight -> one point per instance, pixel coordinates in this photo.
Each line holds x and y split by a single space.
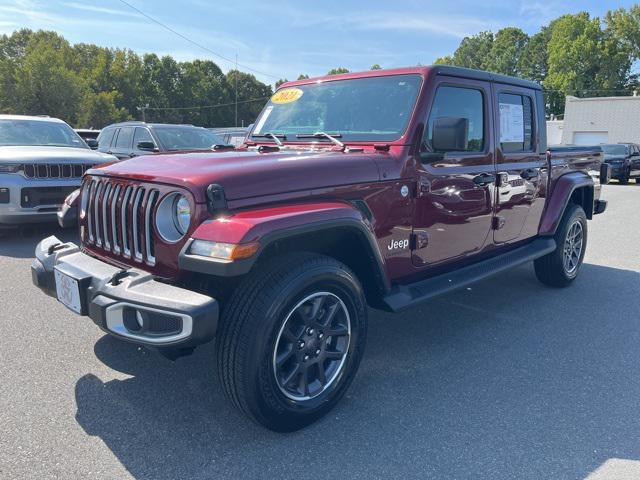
173 217
183 214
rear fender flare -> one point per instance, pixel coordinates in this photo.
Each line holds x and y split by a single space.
557 203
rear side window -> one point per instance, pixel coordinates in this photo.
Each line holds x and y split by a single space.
124 138
459 102
105 137
516 122
142 135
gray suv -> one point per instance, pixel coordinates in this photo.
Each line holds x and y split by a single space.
131 139
42 160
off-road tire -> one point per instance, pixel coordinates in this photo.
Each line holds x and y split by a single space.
551 269
251 325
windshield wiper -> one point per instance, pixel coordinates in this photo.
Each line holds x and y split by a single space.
333 137
275 136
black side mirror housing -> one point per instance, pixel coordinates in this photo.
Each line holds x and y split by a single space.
147 146
92 143
450 134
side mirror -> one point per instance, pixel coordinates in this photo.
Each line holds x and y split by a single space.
92 143
146 146
450 134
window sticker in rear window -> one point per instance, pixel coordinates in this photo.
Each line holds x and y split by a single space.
511 123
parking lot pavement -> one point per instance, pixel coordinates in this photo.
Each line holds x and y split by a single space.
508 379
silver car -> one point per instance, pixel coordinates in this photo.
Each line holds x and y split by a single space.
42 160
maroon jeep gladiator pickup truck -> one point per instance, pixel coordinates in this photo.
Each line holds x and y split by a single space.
380 189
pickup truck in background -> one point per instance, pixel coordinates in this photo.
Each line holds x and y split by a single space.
381 189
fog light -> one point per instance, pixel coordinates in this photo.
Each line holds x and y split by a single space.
224 251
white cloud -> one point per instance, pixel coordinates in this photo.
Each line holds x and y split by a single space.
102 10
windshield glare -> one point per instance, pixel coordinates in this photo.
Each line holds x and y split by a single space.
374 108
187 138
614 149
38 133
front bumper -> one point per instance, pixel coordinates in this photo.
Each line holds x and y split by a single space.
22 200
129 304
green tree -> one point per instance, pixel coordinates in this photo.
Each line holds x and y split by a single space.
337 71
281 81
507 51
375 66
303 76
99 110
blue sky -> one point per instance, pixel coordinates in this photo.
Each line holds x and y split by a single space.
286 38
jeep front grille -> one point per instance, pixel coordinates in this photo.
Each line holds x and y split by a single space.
53 170
119 218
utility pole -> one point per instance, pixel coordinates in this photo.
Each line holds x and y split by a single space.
143 110
236 122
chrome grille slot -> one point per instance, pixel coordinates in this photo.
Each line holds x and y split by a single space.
148 226
137 230
96 212
91 187
115 231
106 196
124 212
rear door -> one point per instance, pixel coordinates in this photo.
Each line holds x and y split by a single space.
455 190
123 145
519 188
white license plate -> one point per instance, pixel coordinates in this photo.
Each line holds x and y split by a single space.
68 291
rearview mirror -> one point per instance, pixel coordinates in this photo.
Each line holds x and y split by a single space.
450 134
147 146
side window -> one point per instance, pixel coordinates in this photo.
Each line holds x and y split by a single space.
456 103
124 138
104 139
142 135
516 122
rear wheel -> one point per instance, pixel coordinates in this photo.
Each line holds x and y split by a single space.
291 340
624 177
638 179
560 267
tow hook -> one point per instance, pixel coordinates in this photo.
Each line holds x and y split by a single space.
117 277
55 247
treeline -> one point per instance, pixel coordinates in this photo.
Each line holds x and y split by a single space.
573 55
41 73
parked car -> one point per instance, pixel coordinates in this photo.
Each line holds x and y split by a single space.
132 139
382 189
89 135
624 159
41 161
233 135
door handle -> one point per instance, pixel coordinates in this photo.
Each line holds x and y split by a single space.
530 174
484 179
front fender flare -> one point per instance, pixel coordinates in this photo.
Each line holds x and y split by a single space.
269 224
559 199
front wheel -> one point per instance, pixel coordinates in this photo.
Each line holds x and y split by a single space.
624 177
291 340
560 267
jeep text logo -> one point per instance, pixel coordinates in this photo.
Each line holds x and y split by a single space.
398 244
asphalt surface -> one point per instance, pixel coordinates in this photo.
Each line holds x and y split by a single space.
508 379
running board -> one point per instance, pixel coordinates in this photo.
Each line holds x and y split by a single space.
404 296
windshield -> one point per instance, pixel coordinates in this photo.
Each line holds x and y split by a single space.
187 138
614 149
37 133
375 108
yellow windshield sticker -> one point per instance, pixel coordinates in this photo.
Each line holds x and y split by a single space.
286 95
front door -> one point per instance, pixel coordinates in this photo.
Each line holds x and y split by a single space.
520 178
455 189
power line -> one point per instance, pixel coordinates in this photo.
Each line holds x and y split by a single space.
193 42
200 107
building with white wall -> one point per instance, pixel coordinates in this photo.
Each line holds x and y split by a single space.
590 121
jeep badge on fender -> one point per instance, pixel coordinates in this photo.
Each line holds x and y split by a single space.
281 265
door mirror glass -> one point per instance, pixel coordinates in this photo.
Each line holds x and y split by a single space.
146 146
450 134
